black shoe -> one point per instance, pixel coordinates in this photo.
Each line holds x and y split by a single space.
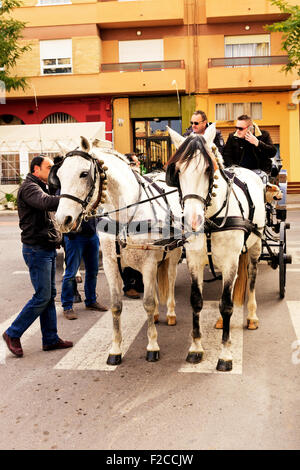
59 345
97 306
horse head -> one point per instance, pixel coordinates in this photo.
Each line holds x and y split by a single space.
193 166
81 179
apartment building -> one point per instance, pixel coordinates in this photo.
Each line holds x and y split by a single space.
139 65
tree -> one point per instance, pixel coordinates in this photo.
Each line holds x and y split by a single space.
10 47
291 33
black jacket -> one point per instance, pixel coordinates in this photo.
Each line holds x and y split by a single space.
218 140
36 224
241 152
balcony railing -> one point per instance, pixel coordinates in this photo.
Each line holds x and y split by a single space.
143 66
244 61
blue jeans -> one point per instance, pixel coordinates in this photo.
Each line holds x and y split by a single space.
42 267
77 248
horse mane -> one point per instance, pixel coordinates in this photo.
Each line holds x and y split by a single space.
185 153
116 154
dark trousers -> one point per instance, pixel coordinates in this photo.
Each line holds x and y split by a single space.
42 267
132 280
77 248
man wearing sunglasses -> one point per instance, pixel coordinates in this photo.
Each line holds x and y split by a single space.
199 124
249 146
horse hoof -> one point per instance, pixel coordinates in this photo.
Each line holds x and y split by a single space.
252 324
171 321
224 366
152 356
219 324
156 318
194 358
114 359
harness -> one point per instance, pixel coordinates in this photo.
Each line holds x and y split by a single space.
216 223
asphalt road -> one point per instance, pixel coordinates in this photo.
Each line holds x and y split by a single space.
69 400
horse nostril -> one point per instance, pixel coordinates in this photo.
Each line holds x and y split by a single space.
68 221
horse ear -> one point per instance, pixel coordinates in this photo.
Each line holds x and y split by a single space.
210 134
177 139
85 145
102 143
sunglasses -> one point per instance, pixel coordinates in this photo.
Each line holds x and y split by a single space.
241 128
196 123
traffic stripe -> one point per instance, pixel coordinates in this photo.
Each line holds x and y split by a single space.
294 309
34 328
91 351
211 341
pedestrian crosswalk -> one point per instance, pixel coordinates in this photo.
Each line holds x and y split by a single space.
91 351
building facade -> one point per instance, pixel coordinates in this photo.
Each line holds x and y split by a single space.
139 65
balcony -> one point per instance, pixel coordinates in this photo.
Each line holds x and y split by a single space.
140 13
248 73
237 11
145 78
105 14
143 66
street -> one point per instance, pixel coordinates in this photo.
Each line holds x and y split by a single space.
70 399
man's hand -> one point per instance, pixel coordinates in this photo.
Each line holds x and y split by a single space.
251 138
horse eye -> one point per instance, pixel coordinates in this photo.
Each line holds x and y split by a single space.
84 174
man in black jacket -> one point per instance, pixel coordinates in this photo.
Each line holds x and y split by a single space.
249 147
40 239
198 126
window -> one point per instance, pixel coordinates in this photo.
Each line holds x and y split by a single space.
56 56
10 168
58 118
231 111
141 51
53 2
257 45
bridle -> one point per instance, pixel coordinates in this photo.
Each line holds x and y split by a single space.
206 201
97 170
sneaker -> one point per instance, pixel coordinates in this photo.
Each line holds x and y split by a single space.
70 314
97 306
59 345
132 294
13 344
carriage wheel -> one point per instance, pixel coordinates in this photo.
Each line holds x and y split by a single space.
282 259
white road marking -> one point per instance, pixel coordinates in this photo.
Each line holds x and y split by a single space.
91 352
211 341
21 272
294 309
34 328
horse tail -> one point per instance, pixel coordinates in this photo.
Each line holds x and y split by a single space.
239 291
163 281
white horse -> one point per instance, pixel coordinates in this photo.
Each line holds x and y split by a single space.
93 174
213 199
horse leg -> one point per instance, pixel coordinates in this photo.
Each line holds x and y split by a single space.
115 353
226 309
252 319
195 353
150 303
172 272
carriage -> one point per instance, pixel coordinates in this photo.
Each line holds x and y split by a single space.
274 241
